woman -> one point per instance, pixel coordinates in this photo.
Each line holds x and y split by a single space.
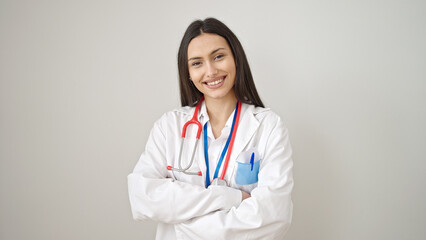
235 184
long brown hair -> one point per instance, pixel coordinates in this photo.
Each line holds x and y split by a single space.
244 88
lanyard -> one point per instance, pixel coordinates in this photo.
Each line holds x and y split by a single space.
230 139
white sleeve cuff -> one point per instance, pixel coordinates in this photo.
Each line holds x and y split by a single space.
232 197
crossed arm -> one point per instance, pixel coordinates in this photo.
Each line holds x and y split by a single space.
266 214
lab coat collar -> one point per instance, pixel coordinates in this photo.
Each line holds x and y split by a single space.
204 116
190 110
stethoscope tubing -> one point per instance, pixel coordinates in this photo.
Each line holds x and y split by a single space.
193 120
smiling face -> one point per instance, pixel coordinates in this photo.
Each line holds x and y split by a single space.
211 66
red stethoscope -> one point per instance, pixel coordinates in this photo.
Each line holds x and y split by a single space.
227 149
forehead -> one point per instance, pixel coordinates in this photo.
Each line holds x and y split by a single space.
205 43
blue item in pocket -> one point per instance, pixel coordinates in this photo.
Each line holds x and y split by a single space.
247 173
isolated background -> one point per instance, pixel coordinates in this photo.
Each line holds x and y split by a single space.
83 81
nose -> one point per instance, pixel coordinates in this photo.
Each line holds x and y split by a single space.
211 70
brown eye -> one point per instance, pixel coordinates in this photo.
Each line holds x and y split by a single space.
194 64
218 57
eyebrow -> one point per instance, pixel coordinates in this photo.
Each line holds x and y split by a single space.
213 52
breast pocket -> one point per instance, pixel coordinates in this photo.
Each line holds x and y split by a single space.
246 176
247 173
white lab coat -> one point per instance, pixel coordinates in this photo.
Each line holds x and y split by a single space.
185 209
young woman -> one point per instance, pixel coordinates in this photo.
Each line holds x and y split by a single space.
237 182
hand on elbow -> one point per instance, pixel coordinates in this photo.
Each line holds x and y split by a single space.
245 195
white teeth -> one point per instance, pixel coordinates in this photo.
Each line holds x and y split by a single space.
215 82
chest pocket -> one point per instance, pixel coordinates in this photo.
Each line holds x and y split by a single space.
247 170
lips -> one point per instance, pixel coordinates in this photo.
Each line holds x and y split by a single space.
215 82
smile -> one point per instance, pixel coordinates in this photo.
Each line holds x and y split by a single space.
214 83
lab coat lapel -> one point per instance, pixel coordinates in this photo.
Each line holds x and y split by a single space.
248 125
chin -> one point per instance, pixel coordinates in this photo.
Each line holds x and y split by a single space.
217 96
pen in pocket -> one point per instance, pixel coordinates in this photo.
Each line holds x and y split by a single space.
252 161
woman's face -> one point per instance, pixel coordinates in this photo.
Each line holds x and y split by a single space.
211 66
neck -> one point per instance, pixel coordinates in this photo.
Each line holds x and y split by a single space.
219 110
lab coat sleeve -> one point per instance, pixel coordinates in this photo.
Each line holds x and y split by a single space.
154 196
267 213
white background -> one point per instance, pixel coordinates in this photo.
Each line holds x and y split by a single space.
82 83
